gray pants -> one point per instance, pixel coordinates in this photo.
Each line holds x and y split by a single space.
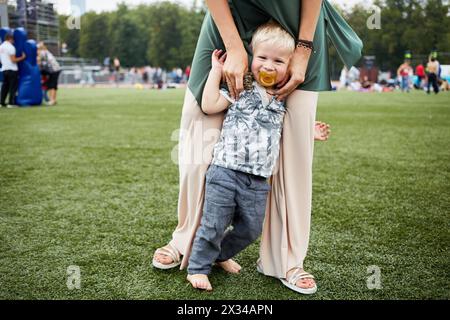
231 198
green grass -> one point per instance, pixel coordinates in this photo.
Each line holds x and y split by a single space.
91 183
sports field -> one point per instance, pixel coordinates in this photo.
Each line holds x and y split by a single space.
90 183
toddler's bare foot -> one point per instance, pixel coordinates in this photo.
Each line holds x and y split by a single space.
200 281
230 266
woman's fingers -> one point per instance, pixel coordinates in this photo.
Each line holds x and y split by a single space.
239 84
279 86
290 86
283 82
231 86
235 65
235 84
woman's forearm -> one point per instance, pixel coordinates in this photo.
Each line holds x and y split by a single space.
310 11
221 14
309 15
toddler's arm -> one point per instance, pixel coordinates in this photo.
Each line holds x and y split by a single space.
212 100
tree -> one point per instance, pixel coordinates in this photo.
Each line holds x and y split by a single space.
165 37
162 34
128 41
94 36
190 24
437 25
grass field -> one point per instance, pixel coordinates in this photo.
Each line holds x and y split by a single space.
90 183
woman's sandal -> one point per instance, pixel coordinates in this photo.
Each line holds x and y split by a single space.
171 252
293 279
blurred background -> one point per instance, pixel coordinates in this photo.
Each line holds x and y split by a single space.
154 42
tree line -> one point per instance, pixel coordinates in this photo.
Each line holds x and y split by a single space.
162 34
415 26
165 34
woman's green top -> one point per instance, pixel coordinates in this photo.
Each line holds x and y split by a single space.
249 14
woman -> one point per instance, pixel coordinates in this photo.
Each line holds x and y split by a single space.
404 72
432 72
229 26
50 68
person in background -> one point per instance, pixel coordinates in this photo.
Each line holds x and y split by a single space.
106 63
343 78
445 86
420 73
145 75
432 72
403 72
366 84
44 87
10 71
158 78
50 67
187 72
116 65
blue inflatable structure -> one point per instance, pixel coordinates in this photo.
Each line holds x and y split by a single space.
29 92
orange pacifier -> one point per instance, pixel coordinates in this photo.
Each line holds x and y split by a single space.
267 78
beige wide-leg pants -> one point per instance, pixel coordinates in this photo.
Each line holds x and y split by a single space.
285 237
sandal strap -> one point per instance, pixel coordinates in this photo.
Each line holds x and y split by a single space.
298 275
170 251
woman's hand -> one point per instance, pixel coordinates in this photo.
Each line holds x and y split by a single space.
235 67
295 75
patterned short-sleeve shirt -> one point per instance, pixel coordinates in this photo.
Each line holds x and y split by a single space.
251 133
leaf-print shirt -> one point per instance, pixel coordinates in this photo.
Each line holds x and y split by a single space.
251 133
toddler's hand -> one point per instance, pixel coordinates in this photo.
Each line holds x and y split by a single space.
218 59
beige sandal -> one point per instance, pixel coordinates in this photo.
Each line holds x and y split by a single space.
171 252
293 279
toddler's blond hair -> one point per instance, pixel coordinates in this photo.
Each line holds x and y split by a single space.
272 33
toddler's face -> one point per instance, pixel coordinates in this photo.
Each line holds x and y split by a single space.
269 59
